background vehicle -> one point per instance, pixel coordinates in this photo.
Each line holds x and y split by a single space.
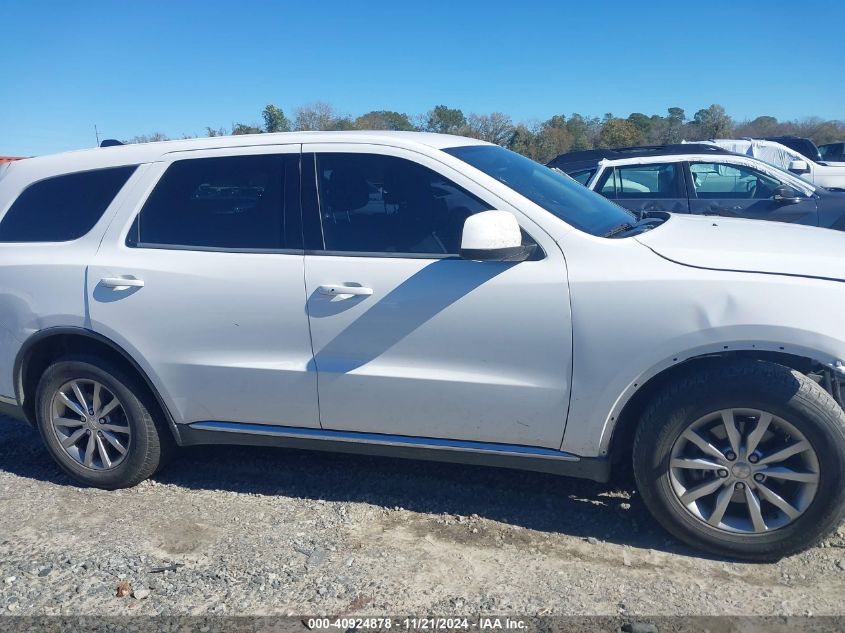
803 146
705 179
833 152
424 296
820 174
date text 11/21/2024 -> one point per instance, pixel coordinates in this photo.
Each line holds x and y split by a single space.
417 623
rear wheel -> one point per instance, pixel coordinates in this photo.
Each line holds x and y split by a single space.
95 420
746 461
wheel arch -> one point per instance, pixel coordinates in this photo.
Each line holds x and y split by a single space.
45 345
618 436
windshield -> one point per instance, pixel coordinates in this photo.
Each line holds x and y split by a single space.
558 194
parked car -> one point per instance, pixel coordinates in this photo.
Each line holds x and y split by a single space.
821 174
833 152
803 146
424 296
703 179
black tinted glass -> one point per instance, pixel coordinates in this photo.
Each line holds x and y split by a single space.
231 202
382 204
62 208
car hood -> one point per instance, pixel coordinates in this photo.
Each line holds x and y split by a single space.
754 246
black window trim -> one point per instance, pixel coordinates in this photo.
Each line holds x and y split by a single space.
313 209
127 242
116 196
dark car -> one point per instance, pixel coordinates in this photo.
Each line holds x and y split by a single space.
803 146
703 179
833 152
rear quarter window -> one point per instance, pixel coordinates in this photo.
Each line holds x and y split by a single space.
62 208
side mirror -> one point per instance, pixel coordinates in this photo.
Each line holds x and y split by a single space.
785 195
799 167
493 236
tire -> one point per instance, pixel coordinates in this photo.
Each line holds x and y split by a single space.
794 407
147 443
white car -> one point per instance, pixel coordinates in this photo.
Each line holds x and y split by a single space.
702 179
827 175
424 296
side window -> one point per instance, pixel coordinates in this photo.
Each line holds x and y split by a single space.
656 180
583 175
232 202
63 208
371 203
610 184
714 181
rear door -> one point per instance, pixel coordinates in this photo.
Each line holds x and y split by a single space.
646 187
735 190
202 282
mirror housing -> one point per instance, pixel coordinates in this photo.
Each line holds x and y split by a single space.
493 236
799 167
785 195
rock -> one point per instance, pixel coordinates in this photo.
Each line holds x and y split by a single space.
316 557
123 589
10 579
592 540
626 559
44 572
141 594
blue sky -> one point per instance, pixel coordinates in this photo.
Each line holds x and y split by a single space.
136 67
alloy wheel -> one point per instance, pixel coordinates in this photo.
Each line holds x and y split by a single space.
90 424
744 471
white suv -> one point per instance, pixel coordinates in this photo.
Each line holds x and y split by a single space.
424 296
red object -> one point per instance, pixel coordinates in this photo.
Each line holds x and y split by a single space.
9 159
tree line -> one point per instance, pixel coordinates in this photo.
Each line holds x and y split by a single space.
540 140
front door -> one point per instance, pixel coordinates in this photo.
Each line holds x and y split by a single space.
203 284
735 190
408 338
646 187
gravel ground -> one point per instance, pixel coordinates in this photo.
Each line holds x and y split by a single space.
262 531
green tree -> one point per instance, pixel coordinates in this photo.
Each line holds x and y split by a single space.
445 120
584 131
712 122
619 133
522 141
210 131
552 139
243 128
384 120
274 119
643 123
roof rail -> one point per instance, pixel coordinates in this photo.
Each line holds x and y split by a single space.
110 142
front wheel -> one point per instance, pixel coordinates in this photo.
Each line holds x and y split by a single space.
95 421
745 461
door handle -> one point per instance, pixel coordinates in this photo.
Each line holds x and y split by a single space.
345 291
122 283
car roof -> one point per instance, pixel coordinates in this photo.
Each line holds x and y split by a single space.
138 153
592 156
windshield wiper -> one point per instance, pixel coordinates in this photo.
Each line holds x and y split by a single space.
644 224
619 229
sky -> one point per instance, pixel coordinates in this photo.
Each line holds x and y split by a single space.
134 67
